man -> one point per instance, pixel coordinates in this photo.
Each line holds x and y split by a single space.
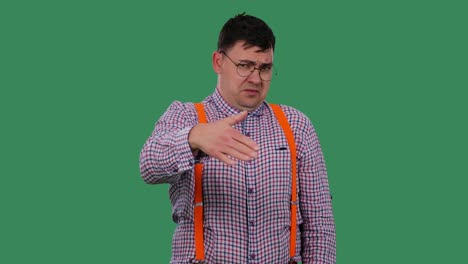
247 176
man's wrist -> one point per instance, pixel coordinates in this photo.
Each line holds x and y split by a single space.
191 139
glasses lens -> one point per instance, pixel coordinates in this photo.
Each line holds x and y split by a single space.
245 70
266 74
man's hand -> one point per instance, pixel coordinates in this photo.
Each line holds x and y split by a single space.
220 140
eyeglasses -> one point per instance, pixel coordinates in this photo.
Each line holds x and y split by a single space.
245 69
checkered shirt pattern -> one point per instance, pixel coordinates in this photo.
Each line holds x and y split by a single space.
246 206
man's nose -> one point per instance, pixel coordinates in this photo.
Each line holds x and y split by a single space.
255 76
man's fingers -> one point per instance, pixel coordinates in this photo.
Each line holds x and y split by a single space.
221 141
242 149
224 158
235 153
232 120
246 141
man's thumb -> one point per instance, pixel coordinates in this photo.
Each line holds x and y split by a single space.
232 120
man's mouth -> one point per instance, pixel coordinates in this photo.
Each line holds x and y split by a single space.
251 91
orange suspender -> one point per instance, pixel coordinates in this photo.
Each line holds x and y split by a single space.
292 149
198 200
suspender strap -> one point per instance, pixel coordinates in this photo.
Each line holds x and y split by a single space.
198 199
201 113
292 149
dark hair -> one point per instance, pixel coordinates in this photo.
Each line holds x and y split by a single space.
252 30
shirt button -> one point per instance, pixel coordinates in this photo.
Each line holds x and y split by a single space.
251 222
250 190
252 256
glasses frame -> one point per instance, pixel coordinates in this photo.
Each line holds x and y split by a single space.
274 73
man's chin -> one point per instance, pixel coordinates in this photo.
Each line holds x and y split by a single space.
250 106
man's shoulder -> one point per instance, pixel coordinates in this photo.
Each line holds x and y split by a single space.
178 110
177 105
180 106
301 125
295 116
299 122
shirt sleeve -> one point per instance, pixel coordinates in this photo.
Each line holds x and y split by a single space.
318 227
167 154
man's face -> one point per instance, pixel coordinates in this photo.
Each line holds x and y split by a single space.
243 93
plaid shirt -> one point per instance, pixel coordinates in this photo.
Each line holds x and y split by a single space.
246 206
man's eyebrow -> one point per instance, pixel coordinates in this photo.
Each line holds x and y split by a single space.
254 63
266 64
248 61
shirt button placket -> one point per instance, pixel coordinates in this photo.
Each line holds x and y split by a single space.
251 206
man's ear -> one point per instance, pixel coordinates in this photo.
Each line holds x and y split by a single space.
217 60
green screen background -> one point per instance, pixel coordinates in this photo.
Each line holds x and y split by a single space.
83 82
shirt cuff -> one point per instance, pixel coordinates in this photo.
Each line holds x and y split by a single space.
183 151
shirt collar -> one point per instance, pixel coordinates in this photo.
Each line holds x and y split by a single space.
228 110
